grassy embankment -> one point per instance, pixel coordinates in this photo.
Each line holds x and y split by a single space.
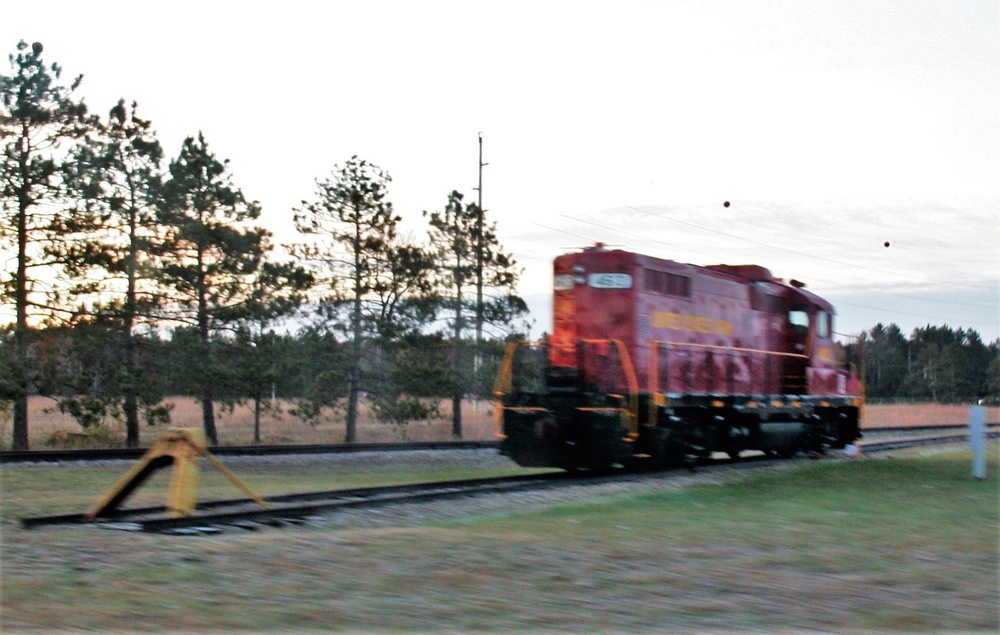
908 543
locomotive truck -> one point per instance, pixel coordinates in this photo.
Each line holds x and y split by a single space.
655 361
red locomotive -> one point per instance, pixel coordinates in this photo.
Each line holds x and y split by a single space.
668 362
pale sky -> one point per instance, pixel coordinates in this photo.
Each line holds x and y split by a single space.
832 127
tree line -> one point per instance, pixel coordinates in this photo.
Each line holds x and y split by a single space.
935 363
137 276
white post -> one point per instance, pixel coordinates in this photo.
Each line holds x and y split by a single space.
977 438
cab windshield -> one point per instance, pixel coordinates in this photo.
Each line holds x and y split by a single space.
824 324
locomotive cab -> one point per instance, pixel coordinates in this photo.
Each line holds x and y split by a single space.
811 367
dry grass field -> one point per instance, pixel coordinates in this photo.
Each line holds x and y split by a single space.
920 414
48 425
235 427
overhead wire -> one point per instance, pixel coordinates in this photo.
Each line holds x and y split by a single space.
646 237
802 253
749 240
761 243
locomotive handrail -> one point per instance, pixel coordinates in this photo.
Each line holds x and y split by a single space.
858 370
735 349
654 366
504 382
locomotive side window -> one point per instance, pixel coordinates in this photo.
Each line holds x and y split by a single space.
656 281
667 283
824 324
798 318
679 285
760 300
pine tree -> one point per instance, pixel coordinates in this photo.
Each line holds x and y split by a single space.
477 282
352 232
210 257
118 182
276 292
39 121
885 357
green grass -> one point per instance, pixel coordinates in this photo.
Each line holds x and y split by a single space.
905 544
44 490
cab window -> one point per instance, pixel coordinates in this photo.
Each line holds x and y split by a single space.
798 319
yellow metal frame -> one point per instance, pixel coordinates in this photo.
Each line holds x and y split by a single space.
503 384
179 448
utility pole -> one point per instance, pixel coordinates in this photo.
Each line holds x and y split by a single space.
480 212
479 256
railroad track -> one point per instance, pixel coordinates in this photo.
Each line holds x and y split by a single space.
287 509
131 454
292 509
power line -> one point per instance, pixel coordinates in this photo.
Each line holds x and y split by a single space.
769 246
605 227
842 302
751 240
